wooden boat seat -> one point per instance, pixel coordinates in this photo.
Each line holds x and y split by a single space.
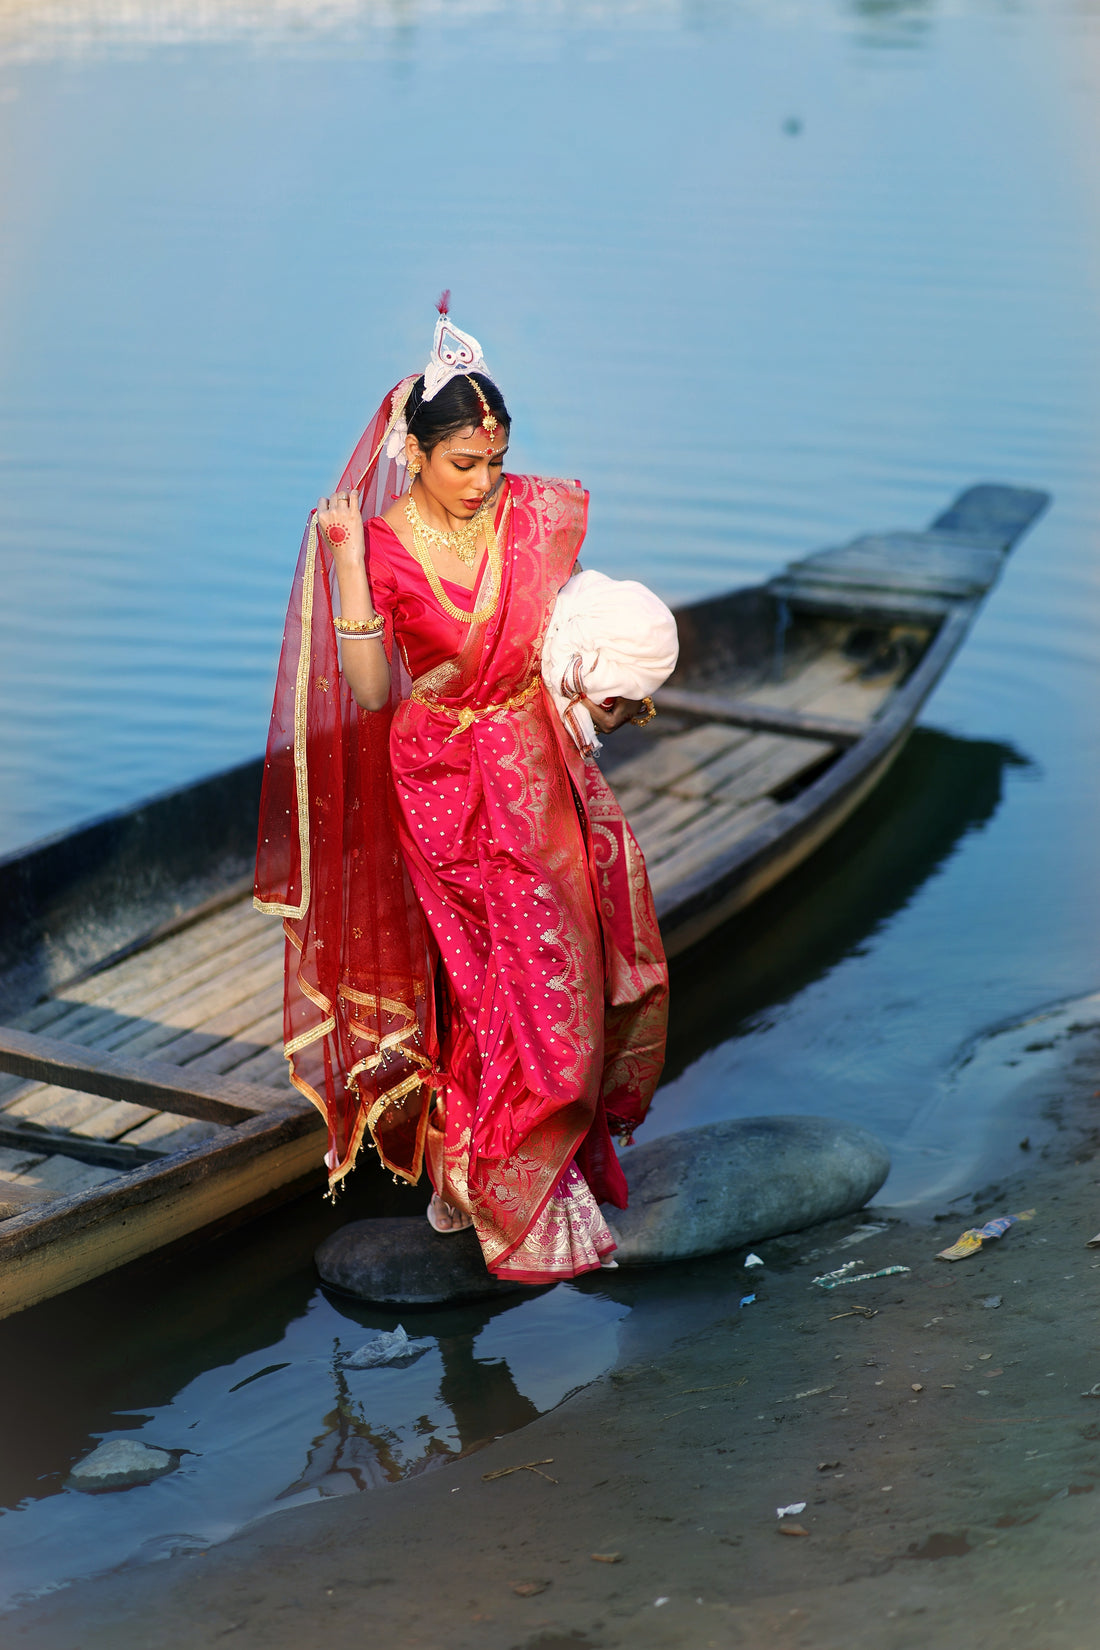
918 564
208 999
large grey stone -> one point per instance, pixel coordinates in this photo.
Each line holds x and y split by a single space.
727 1184
400 1261
121 1462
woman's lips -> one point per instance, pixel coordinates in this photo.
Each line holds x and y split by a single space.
472 503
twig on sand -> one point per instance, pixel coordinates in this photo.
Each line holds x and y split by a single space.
856 1312
524 1466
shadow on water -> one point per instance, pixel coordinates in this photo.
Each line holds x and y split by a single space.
231 1352
939 791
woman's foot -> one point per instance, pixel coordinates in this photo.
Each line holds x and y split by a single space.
444 1217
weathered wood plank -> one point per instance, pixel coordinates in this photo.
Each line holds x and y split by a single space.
208 947
140 1036
52 1107
17 1140
747 756
678 754
82 1021
57 1177
794 692
767 718
15 1158
936 564
667 815
167 1133
779 768
726 826
15 1198
145 1082
47 1251
269 1067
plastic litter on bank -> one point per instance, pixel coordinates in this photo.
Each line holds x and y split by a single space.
844 1274
791 1511
747 1300
752 1260
974 1236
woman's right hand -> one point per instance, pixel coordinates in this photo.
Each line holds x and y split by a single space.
342 510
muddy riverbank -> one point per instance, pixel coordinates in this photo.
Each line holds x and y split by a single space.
942 1445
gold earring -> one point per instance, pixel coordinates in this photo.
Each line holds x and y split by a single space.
413 467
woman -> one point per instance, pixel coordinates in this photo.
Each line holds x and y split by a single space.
474 970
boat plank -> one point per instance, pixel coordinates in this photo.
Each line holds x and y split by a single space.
727 825
147 1082
57 1108
667 814
166 1132
15 1198
78 1238
677 754
778 768
755 750
172 1045
764 718
858 700
209 944
146 997
57 1177
800 689
270 1067
14 1159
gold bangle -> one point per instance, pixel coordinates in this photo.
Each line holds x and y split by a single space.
650 713
359 627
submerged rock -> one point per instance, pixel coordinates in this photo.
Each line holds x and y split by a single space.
400 1261
727 1184
120 1462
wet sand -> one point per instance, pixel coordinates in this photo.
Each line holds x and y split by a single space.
948 1458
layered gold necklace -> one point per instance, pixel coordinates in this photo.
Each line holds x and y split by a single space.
461 542
423 538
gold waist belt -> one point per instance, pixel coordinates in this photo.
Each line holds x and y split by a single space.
466 715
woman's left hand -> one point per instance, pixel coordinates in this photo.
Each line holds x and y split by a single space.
609 717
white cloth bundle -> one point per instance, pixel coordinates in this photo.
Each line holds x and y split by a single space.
607 639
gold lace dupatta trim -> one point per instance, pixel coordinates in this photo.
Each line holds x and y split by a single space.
276 908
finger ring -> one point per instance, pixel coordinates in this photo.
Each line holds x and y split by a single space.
336 533
650 713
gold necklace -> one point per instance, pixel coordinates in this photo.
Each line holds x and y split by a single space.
492 547
462 542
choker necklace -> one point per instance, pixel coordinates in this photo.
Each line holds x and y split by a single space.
462 542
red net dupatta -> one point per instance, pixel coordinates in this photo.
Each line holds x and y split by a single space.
359 1027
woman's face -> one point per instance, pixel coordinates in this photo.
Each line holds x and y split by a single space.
462 470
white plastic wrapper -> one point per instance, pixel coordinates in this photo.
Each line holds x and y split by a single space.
388 1348
607 639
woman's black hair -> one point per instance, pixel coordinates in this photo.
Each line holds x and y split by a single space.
456 407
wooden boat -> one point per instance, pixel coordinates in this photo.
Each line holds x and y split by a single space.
146 1096
792 699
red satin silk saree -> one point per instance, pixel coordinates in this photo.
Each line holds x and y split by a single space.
474 970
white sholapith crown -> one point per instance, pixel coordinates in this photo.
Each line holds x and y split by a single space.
454 354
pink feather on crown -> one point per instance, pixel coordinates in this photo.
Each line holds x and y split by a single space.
444 303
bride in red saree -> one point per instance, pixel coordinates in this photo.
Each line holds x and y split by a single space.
474 975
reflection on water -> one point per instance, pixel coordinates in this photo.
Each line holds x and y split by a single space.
235 1358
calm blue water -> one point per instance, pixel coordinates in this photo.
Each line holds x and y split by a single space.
763 276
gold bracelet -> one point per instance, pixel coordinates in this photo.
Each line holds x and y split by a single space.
650 713
359 627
